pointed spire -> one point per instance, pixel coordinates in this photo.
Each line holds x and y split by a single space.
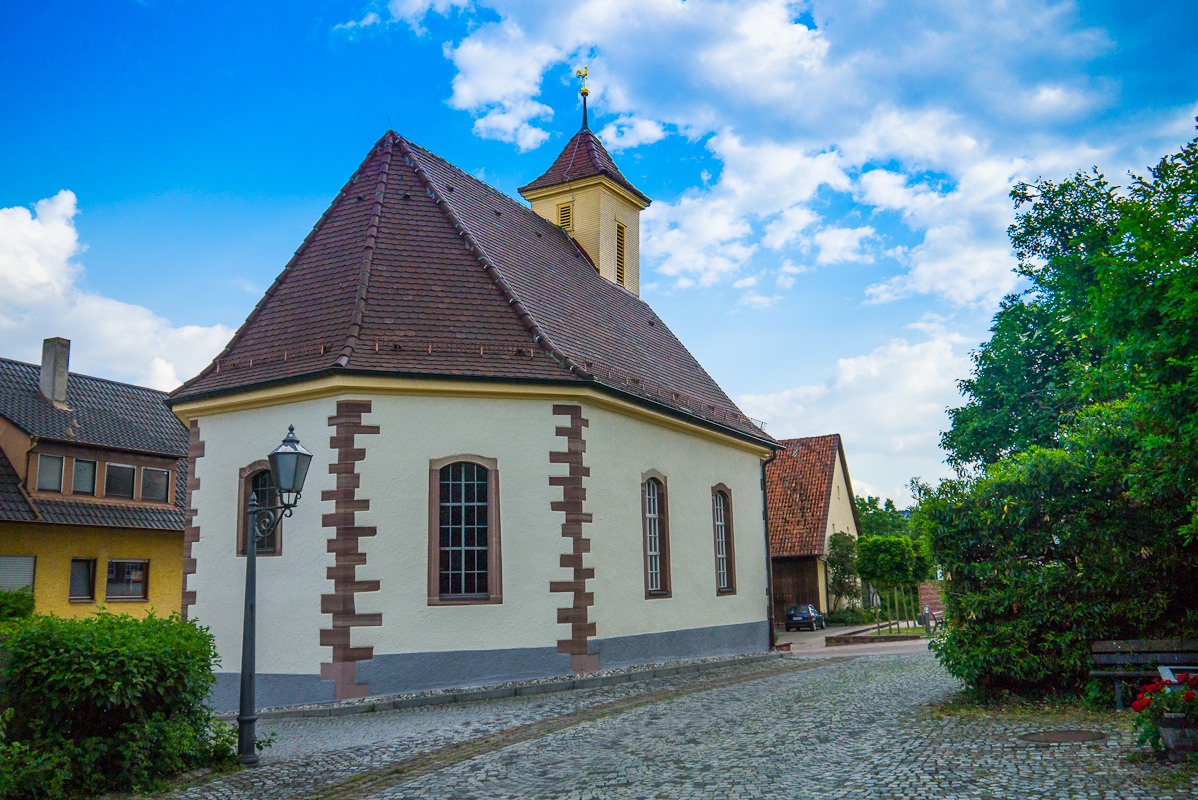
584 91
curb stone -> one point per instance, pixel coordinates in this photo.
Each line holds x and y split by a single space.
496 692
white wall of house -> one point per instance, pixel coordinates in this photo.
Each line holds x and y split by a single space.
289 585
840 510
519 434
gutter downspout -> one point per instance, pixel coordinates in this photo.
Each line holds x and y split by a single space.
769 561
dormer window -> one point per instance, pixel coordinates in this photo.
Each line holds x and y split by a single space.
118 481
49 473
155 484
84 480
565 216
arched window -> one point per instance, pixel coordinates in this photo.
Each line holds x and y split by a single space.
656 517
255 480
725 552
464 531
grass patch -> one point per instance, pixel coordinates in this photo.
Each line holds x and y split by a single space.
1058 709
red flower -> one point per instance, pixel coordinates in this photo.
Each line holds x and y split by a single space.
1140 705
1182 677
1188 697
1193 682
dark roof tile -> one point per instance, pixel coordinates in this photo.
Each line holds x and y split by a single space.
584 156
13 505
428 282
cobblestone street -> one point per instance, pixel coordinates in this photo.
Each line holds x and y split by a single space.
835 727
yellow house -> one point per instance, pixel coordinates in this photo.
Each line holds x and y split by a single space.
93 483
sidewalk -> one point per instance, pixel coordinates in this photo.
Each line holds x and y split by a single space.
808 643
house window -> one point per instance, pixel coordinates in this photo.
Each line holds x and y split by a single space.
725 557
155 483
256 480
620 235
565 216
118 480
84 480
463 530
655 513
128 580
464 564
16 572
49 473
83 579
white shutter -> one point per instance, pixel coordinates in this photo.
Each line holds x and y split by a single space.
16 572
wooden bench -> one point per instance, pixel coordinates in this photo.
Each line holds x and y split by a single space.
1139 659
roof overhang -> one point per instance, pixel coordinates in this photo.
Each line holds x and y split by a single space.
339 382
637 201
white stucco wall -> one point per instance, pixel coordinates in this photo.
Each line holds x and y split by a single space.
519 434
289 585
840 510
619 451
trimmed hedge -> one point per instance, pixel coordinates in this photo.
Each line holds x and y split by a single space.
105 702
16 605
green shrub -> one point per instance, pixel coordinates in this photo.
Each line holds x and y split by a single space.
106 702
851 616
16 605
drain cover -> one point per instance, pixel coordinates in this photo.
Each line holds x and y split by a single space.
1060 737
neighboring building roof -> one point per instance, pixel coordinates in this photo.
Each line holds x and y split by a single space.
98 412
799 494
584 156
418 269
13 505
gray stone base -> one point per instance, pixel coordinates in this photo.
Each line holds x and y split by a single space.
652 648
401 673
271 690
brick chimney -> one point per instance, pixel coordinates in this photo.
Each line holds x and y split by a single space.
53 383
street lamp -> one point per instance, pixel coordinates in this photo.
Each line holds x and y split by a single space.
288 467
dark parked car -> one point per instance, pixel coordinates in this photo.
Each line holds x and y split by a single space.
804 617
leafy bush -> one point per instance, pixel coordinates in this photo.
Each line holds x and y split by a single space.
16 605
106 702
842 568
885 560
851 616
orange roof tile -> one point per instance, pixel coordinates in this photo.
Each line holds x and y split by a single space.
799 493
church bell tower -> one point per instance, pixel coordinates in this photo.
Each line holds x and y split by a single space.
585 194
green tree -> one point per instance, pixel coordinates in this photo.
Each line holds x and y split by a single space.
878 518
887 562
1076 505
842 568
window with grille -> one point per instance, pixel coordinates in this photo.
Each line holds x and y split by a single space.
463 531
259 484
725 564
657 545
620 235
565 216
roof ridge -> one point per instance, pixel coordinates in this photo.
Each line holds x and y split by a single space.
525 317
372 231
137 386
279 280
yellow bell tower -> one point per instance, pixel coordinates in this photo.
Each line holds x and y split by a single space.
585 194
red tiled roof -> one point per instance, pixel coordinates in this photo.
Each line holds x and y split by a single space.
419 269
799 493
584 156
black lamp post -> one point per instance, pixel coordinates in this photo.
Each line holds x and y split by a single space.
288 467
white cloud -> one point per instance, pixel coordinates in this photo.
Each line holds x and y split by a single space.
499 74
888 405
39 298
754 300
627 132
353 26
837 245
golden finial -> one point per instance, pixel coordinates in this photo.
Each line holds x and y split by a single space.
582 76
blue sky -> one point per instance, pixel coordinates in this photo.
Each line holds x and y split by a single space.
830 178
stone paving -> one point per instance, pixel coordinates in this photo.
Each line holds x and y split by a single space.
844 728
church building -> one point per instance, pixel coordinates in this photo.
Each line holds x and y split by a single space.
518 471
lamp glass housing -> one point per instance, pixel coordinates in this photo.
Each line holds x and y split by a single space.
289 466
